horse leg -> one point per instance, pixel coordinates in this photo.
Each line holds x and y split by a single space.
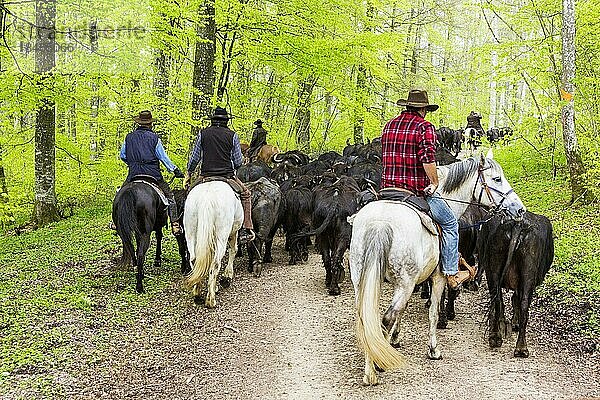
227 277
521 348
443 313
438 283
157 257
143 242
391 318
370 377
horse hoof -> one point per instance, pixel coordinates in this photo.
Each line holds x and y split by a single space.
521 353
225 282
257 270
434 354
495 342
370 379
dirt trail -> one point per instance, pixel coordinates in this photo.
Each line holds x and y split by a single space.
282 337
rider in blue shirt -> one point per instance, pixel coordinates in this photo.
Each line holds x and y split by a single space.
143 152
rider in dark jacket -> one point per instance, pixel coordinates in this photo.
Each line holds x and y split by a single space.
218 148
259 139
142 152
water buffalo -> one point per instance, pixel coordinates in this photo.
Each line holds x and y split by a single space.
515 255
266 210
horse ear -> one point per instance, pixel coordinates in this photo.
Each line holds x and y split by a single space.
490 154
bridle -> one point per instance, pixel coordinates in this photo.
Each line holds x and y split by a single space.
485 188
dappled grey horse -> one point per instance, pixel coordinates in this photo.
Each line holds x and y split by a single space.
389 238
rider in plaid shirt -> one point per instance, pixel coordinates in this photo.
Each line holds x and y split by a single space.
408 146
408 142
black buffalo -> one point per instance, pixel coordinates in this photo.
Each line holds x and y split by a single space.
332 205
516 256
266 211
297 199
253 171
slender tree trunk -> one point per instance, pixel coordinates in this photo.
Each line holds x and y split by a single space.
302 122
203 81
574 162
360 108
95 100
45 207
268 114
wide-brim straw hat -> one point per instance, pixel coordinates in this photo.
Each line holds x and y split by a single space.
418 99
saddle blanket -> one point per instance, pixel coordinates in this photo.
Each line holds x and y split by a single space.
426 220
417 204
160 193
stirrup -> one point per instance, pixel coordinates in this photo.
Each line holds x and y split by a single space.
465 266
176 228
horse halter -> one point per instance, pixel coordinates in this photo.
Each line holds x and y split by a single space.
488 190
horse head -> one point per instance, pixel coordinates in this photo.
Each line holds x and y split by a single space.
493 189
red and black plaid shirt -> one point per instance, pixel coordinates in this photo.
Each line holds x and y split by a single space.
408 142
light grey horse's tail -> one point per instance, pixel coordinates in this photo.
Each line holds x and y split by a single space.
378 237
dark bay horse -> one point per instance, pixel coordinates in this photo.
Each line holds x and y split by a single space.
137 211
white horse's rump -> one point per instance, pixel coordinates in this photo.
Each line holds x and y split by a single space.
389 240
213 215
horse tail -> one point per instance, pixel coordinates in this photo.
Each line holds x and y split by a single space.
205 244
126 223
376 248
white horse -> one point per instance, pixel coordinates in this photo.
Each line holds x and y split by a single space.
213 215
389 238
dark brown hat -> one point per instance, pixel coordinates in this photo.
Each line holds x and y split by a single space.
220 114
419 99
258 122
144 118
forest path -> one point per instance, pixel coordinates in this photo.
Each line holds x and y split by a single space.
281 336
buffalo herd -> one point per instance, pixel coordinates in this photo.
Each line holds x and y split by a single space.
310 200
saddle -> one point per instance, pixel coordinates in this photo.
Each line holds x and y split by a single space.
395 195
205 179
150 181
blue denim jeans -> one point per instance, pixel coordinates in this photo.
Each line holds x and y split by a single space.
443 215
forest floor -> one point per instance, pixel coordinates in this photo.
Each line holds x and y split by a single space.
281 336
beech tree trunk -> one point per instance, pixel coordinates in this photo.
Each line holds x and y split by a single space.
203 81
45 208
302 120
95 100
574 162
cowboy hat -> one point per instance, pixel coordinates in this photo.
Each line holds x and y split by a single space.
419 99
144 118
220 114
258 122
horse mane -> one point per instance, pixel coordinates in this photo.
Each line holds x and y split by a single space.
460 172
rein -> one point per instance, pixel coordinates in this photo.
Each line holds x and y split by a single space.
485 188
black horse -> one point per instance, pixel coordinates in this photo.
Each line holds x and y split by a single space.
138 210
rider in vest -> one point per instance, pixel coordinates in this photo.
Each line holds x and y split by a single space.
143 152
259 139
217 149
408 147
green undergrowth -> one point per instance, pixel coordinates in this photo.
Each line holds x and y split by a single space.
58 285
542 183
